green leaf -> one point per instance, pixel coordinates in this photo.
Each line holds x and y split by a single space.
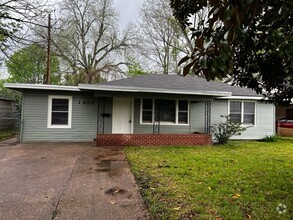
183 60
214 2
199 42
28 65
203 62
240 34
187 68
212 65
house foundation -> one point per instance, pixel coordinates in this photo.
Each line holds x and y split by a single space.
153 139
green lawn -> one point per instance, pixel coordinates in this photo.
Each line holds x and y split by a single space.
242 180
4 134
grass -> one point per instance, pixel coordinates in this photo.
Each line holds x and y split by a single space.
271 138
4 134
241 180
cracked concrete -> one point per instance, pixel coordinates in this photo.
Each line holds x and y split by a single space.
67 181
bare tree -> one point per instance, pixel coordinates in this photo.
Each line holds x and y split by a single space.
163 41
88 39
16 18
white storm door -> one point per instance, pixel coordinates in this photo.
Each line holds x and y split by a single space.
122 116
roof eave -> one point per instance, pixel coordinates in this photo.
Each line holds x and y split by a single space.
152 90
23 86
242 97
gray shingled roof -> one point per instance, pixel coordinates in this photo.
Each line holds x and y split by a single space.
174 82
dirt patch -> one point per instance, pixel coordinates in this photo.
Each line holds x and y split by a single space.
98 157
115 191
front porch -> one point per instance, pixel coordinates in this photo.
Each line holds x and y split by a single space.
153 139
146 121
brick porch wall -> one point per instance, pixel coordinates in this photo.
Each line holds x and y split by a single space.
153 139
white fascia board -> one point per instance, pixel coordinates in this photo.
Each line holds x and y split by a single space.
21 86
243 97
152 90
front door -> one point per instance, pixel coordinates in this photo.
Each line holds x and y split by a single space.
122 116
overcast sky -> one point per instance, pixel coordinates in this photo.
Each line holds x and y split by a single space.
128 10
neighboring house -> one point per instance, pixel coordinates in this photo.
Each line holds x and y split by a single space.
284 112
7 121
284 126
150 109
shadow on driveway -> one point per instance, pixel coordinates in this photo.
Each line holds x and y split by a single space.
67 181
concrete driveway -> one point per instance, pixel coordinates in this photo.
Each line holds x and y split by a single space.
67 181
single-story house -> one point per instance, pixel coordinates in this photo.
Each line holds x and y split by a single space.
7 109
151 109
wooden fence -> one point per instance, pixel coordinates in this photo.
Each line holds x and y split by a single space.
7 115
285 132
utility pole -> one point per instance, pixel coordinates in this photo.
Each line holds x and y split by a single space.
48 75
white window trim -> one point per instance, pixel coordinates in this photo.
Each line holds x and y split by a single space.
141 110
164 123
242 111
50 98
177 111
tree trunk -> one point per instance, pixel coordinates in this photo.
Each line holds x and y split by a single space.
89 78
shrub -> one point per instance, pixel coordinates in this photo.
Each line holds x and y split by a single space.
225 130
271 138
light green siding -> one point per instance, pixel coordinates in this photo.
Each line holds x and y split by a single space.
265 123
198 113
87 109
265 117
35 115
218 108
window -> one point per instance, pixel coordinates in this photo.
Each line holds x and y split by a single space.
59 111
182 112
242 112
235 111
248 114
166 111
147 111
